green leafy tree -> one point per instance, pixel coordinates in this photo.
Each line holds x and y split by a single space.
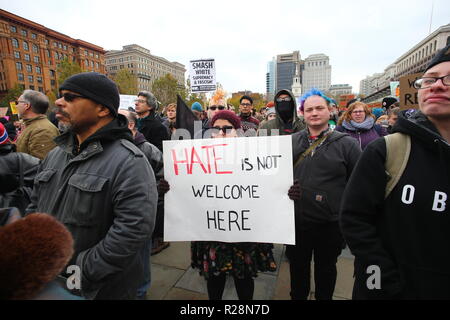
65 69
12 95
126 82
166 89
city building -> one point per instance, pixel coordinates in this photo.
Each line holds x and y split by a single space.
271 79
339 89
413 61
30 53
296 83
317 72
143 64
285 70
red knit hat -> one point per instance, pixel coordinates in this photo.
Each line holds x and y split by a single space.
227 115
3 135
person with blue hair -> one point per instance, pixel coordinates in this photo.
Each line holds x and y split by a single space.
323 160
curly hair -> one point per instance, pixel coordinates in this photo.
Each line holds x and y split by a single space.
347 116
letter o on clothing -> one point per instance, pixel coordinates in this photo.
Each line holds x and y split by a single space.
408 194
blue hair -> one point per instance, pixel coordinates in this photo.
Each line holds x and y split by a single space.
313 92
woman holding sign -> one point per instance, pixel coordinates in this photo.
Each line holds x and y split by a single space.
215 260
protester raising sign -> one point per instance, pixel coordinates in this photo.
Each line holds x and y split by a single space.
203 75
229 190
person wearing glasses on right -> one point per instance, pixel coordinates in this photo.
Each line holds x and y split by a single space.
401 239
359 123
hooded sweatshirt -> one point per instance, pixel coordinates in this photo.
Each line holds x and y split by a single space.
284 126
406 235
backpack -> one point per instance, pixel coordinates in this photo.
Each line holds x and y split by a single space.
398 149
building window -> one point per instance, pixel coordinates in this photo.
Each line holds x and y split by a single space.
24 33
96 55
86 53
12 28
60 45
27 57
53 83
55 44
92 64
41 89
96 65
17 54
25 46
47 53
29 68
38 70
52 73
31 87
86 63
30 79
33 36
65 47
39 79
20 76
15 43
19 65
46 41
35 48
36 59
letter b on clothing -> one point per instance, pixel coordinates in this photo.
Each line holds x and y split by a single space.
374 280
439 201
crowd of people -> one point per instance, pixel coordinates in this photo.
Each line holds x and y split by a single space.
92 178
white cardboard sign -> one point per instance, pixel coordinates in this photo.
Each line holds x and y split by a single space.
202 75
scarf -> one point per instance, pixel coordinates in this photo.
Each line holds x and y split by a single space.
367 124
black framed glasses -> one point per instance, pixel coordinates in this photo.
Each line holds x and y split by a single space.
224 128
216 107
69 97
246 104
426 82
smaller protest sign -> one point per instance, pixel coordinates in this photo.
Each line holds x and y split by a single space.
127 101
203 75
408 94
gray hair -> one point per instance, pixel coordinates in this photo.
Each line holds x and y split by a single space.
39 102
151 99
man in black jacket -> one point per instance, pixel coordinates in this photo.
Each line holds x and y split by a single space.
149 122
400 242
323 162
100 186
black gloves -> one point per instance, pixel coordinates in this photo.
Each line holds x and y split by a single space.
163 187
294 191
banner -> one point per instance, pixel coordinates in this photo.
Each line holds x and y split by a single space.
202 75
408 94
127 101
229 190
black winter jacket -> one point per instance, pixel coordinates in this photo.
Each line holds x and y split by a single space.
323 175
154 156
153 130
407 234
105 194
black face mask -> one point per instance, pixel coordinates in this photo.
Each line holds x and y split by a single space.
285 110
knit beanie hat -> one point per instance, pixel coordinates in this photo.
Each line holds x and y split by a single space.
227 115
388 101
94 86
3 135
270 104
441 56
196 106
270 111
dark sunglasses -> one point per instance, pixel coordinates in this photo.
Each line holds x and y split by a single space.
224 128
216 107
69 97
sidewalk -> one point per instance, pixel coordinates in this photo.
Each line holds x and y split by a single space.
174 279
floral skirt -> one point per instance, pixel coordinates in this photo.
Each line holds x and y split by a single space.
242 260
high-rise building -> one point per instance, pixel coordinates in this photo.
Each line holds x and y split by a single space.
285 70
143 64
317 72
271 79
30 53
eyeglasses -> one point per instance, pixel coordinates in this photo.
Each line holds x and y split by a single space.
358 111
427 82
69 97
216 107
224 128
284 99
246 104
140 101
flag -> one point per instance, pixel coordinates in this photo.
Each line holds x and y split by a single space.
185 117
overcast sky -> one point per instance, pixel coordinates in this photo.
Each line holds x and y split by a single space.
360 37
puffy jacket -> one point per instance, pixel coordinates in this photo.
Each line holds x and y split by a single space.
323 175
37 137
105 194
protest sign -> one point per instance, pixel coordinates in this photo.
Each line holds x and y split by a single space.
202 75
127 101
13 107
408 94
229 190
3 112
